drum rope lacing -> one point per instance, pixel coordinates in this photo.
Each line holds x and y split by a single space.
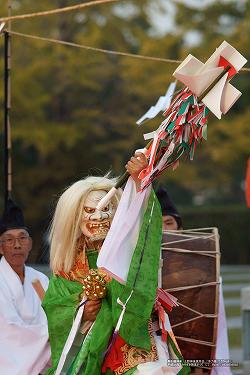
180 250
192 286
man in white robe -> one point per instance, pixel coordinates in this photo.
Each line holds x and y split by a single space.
24 345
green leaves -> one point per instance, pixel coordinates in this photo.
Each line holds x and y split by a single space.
74 111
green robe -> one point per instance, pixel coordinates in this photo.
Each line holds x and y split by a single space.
62 298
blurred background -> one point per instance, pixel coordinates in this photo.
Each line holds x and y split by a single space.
74 112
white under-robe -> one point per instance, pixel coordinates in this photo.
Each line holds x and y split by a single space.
166 364
222 347
24 345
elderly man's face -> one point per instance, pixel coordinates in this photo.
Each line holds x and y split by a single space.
15 246
169 223
95 223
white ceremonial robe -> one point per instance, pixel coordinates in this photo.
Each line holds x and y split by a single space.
24 345
222 347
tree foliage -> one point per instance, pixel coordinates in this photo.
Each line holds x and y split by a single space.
74 111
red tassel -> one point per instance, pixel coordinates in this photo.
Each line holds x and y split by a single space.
165 299
161 316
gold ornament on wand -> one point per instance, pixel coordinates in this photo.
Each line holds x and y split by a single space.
94 284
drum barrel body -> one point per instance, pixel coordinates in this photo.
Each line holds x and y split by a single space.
190 271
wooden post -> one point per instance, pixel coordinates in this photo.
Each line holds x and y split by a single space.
7 109
245 308
7 129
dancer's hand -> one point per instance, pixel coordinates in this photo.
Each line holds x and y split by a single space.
91 310
135 165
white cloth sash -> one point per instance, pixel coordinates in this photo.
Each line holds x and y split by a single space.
118 248
222 348
72 334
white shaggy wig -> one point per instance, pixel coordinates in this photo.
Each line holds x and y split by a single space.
65 227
